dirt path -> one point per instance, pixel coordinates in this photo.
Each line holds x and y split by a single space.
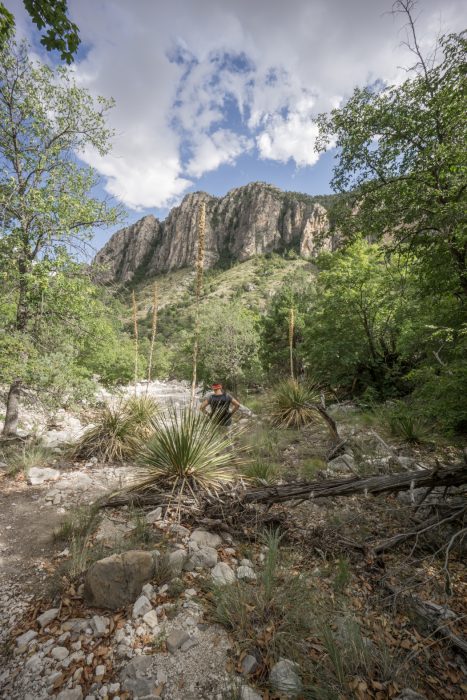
26 533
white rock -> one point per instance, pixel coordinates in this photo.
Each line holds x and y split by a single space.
150 618
99 624
72 694
25 638
247 693
100 671
59 653
205 539
244 572
148 590
154 515
141 606
177 560
47 617
284 677
222 574
249 664
37 475
34 664
246 562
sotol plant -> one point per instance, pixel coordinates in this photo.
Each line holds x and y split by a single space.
292 404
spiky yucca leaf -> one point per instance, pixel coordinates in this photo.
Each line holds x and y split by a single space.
186 452
291 404
118 431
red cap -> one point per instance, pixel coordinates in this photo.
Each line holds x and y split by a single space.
216 386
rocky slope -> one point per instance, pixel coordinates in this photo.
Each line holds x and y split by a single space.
248 221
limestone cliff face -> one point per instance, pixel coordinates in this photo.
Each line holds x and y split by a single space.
251 220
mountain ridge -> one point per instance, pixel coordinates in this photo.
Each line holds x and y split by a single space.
250 220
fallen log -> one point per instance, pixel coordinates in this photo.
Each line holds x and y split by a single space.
440 476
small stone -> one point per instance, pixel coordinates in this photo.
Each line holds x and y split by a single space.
247 693
154 515
249 664
409 694
141 606
72 694
246 573
59 653
191 642
176 639
99 625
203 538
47 617
201 557
25 638
34 664
148 590
37 475
246 562
190 592
284 677
177 560
222 574
150 618
114 688
100 671
163 589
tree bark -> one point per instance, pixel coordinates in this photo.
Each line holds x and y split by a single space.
10 426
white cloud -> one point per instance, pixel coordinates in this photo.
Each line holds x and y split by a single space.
197 83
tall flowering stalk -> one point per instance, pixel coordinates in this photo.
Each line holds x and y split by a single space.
291 339
198 292
155 303
135 328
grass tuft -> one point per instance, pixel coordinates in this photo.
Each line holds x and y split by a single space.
26 457
261 472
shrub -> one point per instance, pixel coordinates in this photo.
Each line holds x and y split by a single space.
291 404
186 452
405 424
261 472
115 437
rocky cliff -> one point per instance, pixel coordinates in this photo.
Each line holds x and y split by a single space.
251 220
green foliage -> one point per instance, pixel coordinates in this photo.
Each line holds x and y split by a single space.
187 452
291 404
261 472
404 423
116 434
62 34
22 459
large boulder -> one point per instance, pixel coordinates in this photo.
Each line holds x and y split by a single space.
117 580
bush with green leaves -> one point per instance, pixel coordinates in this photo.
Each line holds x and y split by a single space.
187 453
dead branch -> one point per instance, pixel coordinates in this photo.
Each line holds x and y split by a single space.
375 484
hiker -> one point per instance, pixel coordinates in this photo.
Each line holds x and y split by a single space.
223 405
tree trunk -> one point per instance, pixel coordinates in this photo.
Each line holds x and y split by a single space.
12 405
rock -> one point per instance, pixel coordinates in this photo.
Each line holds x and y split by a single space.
141 607
200 557
189 644
343 464
76 625
179 530
247 693
148 590
47 617
154 515
284 678
110 532
34 664
99 625
100 671
175 640
222 574
150 618
249 664
246 562
37 475
72 694
263 221
117 580
59 653
408 694
203 538
177 560
25 638
246 573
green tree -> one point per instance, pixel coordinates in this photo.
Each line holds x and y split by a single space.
294 293
46 198
229 345
61 35
355 319
402 152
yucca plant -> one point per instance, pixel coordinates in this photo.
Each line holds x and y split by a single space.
291 404
187 453
261 472
115 437
142 410
408 426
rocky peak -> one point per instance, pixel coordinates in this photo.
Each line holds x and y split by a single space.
251 220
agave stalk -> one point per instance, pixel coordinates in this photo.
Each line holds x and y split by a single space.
155 302
135 327
291 339
198 293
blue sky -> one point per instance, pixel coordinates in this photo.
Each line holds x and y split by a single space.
213 94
